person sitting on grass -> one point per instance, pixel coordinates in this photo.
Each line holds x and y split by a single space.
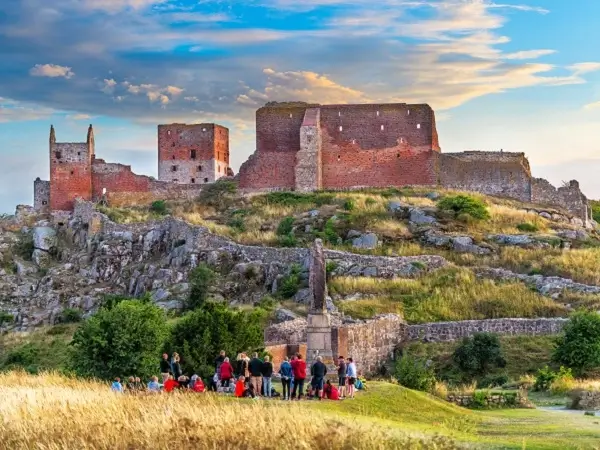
331 392
198 385
130 385
116 385
171 384
139 386
243 388
153 385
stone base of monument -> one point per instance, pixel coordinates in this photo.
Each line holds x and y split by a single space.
318 334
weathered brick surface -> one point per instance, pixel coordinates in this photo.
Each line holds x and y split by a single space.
192 154
493 173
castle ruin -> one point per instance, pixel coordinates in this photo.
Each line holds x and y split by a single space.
303 147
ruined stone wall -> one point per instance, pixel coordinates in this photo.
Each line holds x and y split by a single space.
492 173
192 154
370 343
452 331
123 187
308 175
41 194
70 174
568 197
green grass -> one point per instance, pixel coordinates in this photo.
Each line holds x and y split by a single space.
451 293
40 350
523 354
419 413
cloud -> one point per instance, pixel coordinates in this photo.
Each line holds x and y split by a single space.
14 111
79 116
51 71
594 105
115 6
529 54
584 67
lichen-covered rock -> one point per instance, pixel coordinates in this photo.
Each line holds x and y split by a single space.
511 239
419 217
367 241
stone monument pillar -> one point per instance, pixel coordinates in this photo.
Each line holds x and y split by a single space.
318 332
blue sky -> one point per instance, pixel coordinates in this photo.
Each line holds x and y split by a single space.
517 75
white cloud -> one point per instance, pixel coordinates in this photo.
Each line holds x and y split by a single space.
528 54
584 67
79 116
594 105
108 86
14 111
51 71
174 90
114 6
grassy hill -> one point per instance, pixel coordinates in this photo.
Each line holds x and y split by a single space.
50 411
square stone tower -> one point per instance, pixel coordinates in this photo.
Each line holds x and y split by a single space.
192 154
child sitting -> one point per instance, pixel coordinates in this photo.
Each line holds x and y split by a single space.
331 392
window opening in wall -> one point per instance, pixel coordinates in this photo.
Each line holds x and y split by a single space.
173 157
58 155
175 180
44 202
199 168
104 191
193 180
193 154
219 169
203 130
206 180
402 140
168 132
339 158
72 172
408 112
78 153
382 127
354 141
341 128
377 113
397 155
339 114
173 144
418 125
173 168
290 115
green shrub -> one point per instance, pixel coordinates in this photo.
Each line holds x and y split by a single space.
220 195
286 226
202 333
545 377
415 373
289 240
201 279
349 205
24 246
527 227
579 345
70 315
464 204
6 318
159 207
330 266
479 399
329 233
237 223
370 201
290 284
123 340
478 354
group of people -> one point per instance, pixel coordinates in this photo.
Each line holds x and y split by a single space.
252 377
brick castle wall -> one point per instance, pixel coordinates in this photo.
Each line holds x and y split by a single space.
70 174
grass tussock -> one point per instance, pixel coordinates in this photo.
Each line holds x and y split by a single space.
52 412
507 219
448 294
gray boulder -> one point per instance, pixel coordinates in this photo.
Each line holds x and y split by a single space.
419 217
44 238
511 239
433 196
366 241
283 315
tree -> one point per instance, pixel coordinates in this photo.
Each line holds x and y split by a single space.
579 345
122 340
415 373
201 334
478 354
201 280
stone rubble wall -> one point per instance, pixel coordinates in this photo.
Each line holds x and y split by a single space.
585 400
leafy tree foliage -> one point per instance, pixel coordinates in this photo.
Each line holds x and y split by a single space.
201 334
415 373
478 354
123 340
201 279
579 346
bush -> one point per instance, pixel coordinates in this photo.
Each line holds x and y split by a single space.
237 223
527 227
289 240
159 207
290 283
120 341
464 204
6 318
546 378
24 246
70 315
579 345
220 195
201 334
349 205
478 354
415 374
492 381
285 226
201 279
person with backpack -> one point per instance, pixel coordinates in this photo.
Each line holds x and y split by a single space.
267 373
299 371
285 370
255 367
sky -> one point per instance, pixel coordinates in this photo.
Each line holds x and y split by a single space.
513 75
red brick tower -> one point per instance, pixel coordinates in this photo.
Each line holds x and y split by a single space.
192 154
70 171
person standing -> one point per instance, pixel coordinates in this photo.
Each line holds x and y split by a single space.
267 373
342 369
219 360
225 372
318 372
256 373
352 374
176 366
165 367
299 370
285 370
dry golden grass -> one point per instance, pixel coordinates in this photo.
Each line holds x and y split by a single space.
505 219
447 294
51 412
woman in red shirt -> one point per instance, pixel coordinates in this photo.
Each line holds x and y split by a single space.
226 372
